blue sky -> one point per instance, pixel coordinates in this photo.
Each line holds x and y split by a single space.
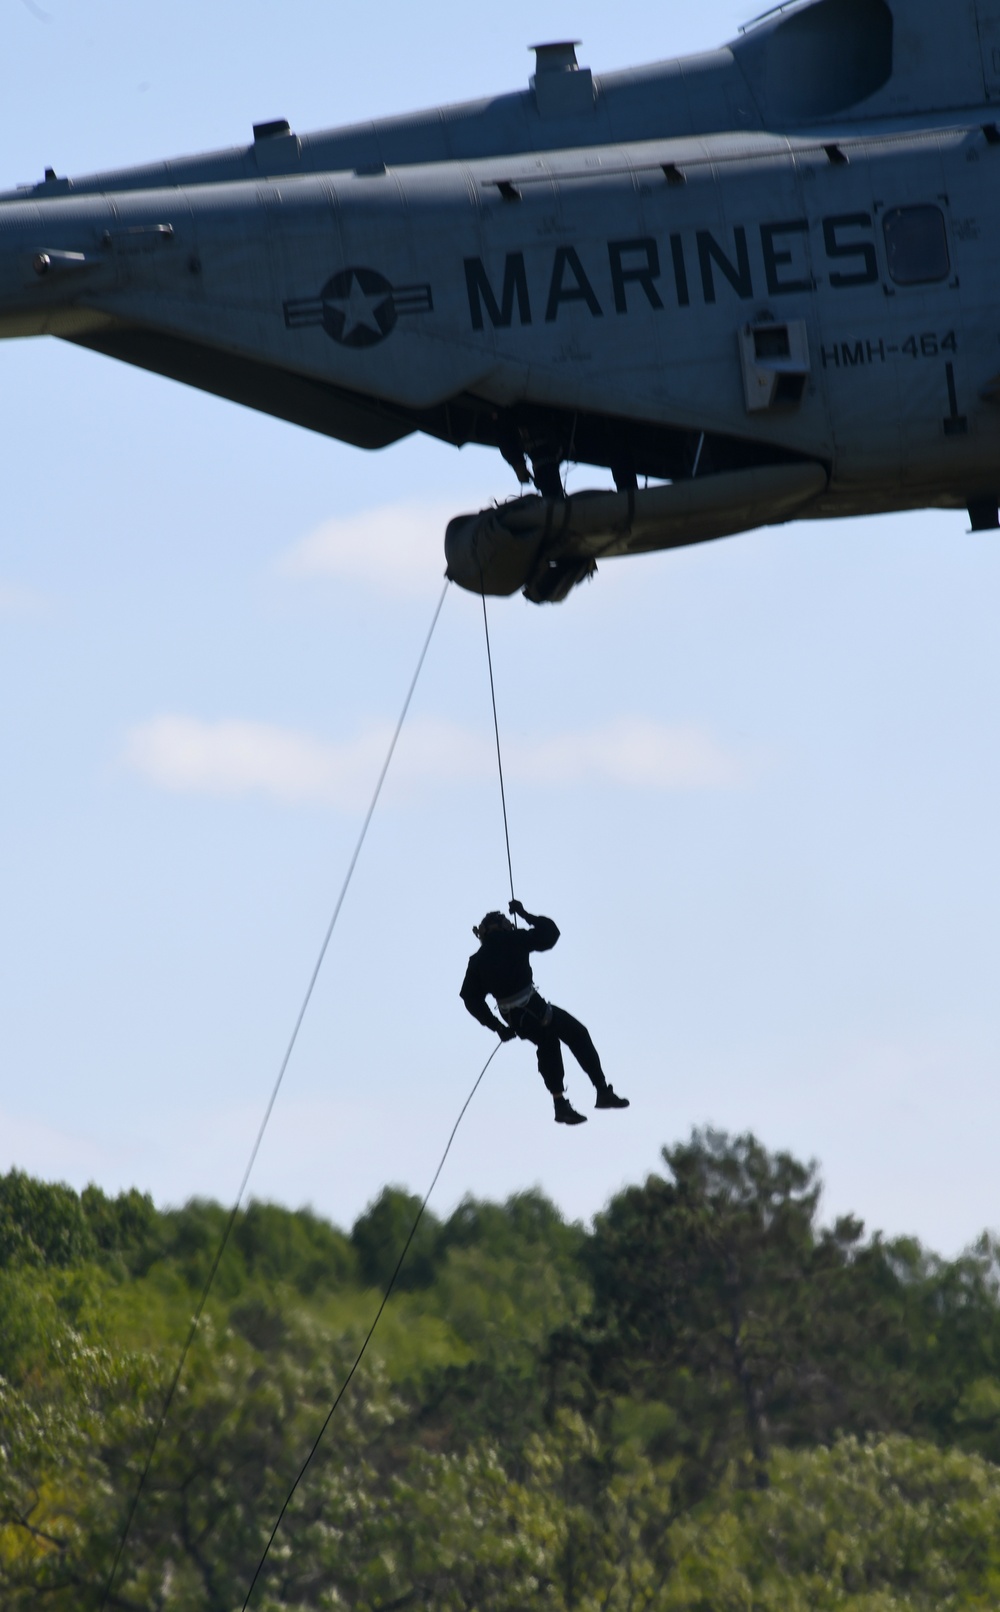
756 782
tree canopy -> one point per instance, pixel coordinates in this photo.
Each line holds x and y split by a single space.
709 1400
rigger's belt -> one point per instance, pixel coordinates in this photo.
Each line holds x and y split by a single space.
526 1005
518 1001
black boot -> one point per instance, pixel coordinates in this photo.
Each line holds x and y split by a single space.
607 1097
566 1114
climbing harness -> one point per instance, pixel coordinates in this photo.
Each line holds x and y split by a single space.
521 1000
231 1221
528 1013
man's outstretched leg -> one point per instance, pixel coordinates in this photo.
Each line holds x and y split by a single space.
577 1038
550 1067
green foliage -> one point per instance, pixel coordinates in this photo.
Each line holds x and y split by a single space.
298 1248
892 1526
709 1403
511 1274
379 1235
706 1286
527 1222
29 1319
122 1226
716 1291
41 1224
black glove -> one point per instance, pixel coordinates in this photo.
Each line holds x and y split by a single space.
505 1032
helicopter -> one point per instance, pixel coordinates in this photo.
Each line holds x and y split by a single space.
750 286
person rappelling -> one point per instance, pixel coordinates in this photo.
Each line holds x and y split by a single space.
500 968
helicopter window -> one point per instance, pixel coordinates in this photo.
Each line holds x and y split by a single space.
916 244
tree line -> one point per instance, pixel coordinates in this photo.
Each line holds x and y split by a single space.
708 1400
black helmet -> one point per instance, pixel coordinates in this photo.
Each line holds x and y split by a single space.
491 922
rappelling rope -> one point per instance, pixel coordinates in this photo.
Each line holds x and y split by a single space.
369 1334
230 1223
496 730
420 1212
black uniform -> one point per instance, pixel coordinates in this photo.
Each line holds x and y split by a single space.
501 969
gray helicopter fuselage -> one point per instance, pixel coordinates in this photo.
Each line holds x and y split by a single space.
636 273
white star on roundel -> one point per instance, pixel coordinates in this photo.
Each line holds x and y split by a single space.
358 308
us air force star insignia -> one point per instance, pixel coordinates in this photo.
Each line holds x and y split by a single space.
358 307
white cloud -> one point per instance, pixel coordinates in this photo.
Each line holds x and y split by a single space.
633 752
245 758
235 758
399 547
